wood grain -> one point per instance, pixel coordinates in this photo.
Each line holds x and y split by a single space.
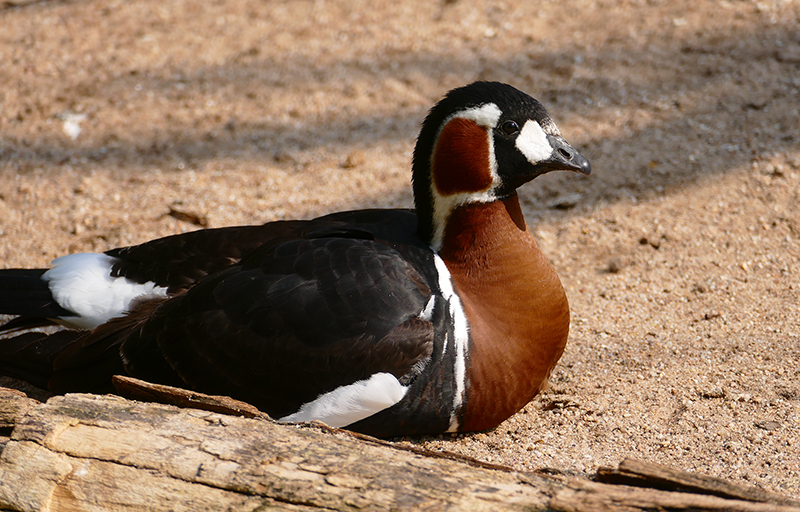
92 453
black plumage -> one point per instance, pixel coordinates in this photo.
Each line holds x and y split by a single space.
23 292
316 305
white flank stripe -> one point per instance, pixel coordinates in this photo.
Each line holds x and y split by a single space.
82 283
461 329
532 142
445 283
348 404
460 340
427 312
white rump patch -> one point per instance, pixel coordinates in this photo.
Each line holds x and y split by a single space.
82 283
532 142
460 338
346 405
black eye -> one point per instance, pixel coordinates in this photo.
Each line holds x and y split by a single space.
509 127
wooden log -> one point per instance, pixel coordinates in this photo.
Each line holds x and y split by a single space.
88 452
143 391
84 452
587 496
651 475
13 406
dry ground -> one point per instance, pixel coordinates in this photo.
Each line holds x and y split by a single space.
681 254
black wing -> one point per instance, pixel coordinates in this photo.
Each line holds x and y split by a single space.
293 319
180 261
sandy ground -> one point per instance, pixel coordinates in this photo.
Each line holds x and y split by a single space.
680 254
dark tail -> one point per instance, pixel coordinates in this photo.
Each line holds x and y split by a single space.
30 356
70 360
25 294
66 360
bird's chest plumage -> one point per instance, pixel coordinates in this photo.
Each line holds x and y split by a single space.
515 305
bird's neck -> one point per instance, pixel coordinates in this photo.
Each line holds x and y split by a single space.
518 311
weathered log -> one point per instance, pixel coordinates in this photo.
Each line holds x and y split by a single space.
88 452
658 476
143 391
13 406
586 496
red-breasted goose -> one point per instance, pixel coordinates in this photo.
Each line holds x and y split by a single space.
447 318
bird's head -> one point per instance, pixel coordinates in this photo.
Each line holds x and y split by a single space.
479 144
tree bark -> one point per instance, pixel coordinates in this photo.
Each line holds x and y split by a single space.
89 452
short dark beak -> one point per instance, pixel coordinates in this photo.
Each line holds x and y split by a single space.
566 158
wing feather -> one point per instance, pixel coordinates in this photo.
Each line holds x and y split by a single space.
290 322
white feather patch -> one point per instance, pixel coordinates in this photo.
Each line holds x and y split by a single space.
532 142
486 115
82 283
460 338
427 312
346 405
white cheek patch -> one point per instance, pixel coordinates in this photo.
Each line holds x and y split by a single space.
532 142
82 283
348 404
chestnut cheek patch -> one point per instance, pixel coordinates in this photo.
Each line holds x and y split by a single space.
461 160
